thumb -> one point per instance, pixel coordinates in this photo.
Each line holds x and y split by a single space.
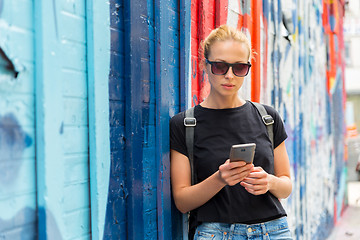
224 165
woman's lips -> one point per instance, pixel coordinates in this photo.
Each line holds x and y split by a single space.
228 86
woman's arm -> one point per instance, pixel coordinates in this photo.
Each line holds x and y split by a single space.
189 197
259 182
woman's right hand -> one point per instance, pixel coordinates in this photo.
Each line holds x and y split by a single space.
231 173
188 197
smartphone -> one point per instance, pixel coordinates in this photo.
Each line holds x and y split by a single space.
243 152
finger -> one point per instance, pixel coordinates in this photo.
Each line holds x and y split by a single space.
236 177
254 189
234 180
239 175
257 175
258 169
237 164
255 181
252 186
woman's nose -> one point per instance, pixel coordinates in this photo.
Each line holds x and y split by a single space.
229 73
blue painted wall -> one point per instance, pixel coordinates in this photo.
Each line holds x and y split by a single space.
143 91
115 221
47 83
62 128
17 122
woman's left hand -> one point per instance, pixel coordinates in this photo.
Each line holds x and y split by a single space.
257 182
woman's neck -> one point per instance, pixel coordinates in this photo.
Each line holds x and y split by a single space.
222 103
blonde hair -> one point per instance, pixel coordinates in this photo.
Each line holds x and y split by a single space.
223 33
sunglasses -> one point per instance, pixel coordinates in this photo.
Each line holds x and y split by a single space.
221 68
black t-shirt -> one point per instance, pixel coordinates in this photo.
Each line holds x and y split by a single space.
215 132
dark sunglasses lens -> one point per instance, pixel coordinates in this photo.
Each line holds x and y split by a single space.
241 69
219 68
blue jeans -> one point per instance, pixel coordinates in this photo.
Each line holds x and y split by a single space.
273 230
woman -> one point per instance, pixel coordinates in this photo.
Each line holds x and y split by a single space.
231 200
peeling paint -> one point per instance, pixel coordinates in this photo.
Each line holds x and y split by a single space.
7 67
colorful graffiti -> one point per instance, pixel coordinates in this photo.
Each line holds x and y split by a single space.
74 166
298 69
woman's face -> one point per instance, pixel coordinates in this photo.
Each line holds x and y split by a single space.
229 51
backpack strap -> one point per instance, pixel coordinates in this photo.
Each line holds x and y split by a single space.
267 119
190 123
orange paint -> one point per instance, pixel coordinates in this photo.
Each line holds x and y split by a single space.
256 10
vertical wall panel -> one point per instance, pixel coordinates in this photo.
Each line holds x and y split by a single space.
149 124
206 24
115 221
62 121
195 60
72 30
167 80
17 121
136 47
98 62
49 122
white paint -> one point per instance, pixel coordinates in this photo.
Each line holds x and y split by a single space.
233 13
352 83
354 193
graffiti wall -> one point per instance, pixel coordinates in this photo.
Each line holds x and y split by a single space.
298 69
87 89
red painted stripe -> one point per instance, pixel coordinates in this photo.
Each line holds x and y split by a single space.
221 12
256 10
194 52
207 23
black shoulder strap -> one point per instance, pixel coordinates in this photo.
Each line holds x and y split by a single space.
267 119
190 123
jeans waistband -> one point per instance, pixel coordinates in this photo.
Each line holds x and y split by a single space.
249 229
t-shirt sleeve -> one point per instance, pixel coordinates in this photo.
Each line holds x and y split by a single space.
177 133
279 129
